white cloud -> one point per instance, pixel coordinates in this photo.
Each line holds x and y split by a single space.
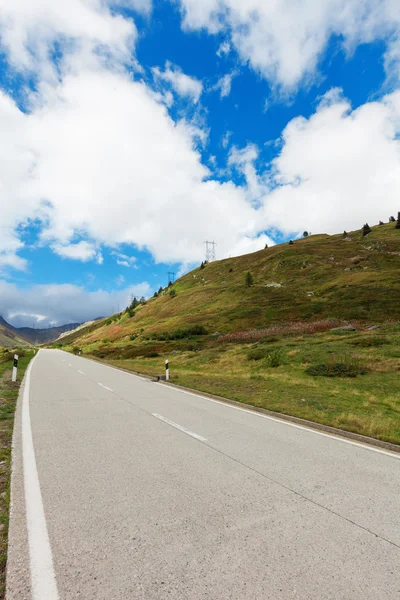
183 84
83 251
243 160
98 157
30 28
224 84
124 260
59 304
285 41
338 169
224 49
226 139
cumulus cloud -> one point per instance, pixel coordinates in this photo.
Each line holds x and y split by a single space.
30 28
285 41
337 169
100 158
183 84
83 251
46 305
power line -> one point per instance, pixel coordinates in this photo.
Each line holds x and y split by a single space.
171 277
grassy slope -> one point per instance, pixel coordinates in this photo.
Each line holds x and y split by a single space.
9 339
8 398
354 279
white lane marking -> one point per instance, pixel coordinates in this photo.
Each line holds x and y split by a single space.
81 372
105 387
40 558
193 435
276 419
69 365
289 424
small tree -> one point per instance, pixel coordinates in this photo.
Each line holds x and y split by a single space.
366 229
344 233
155 294
160 289
398 221
172 293
266 246
305 234
392 219
142 300
249 279
202 265
380 222
291 242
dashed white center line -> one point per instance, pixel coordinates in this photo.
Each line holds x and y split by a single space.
193 435
105 387
81 372
69 365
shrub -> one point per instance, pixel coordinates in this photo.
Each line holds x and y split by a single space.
257 354
344 233
132 337
392 219
398 221
152 355
131 312
202 266
291 242
180 334
266 246
230 270
172 293
344 366
381 223
76 350
366 229
109 321
276 358
371 342
305 234
249 279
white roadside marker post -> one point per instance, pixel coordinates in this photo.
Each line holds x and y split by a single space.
166 370
15 368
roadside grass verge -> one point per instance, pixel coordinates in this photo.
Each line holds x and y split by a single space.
366 402
8 399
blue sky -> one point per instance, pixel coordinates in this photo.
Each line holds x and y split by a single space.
134 130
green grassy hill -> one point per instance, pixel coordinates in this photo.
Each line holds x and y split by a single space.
9 338
272 344
352 278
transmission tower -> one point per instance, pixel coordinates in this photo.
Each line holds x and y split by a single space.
210 251
171 277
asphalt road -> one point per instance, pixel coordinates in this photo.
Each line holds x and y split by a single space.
135 490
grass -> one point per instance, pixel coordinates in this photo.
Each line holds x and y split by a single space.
8 397
274 376
264 342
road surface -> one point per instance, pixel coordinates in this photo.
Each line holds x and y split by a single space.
135 490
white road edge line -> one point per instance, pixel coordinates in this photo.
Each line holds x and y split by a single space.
193 435
43 577
289 424
81 372
105 387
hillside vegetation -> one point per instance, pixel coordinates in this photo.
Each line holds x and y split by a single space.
9 337
270 343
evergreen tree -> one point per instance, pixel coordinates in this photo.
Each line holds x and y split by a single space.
266 246
202 266
398 221
305 234
344 233
249 280
392 219
366 229
291 242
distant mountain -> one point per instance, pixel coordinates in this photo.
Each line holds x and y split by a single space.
11 336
